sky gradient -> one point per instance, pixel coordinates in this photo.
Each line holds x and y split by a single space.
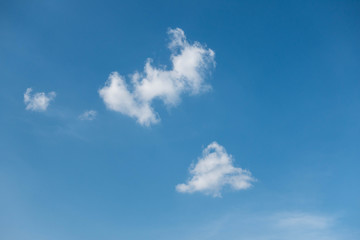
256 136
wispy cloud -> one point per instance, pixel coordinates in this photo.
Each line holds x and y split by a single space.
303 220
213 171
88 115
265 226
298 225
189 65
38 101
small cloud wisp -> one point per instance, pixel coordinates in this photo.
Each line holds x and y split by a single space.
88 115
38 102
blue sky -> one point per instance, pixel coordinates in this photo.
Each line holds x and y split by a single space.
245 125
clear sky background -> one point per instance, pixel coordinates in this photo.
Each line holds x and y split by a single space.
284 102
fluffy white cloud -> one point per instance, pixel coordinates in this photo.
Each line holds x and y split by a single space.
38 101
189 65
88 115
213 171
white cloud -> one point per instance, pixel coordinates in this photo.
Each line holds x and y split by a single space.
38 101
189 65
88 115
213 171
